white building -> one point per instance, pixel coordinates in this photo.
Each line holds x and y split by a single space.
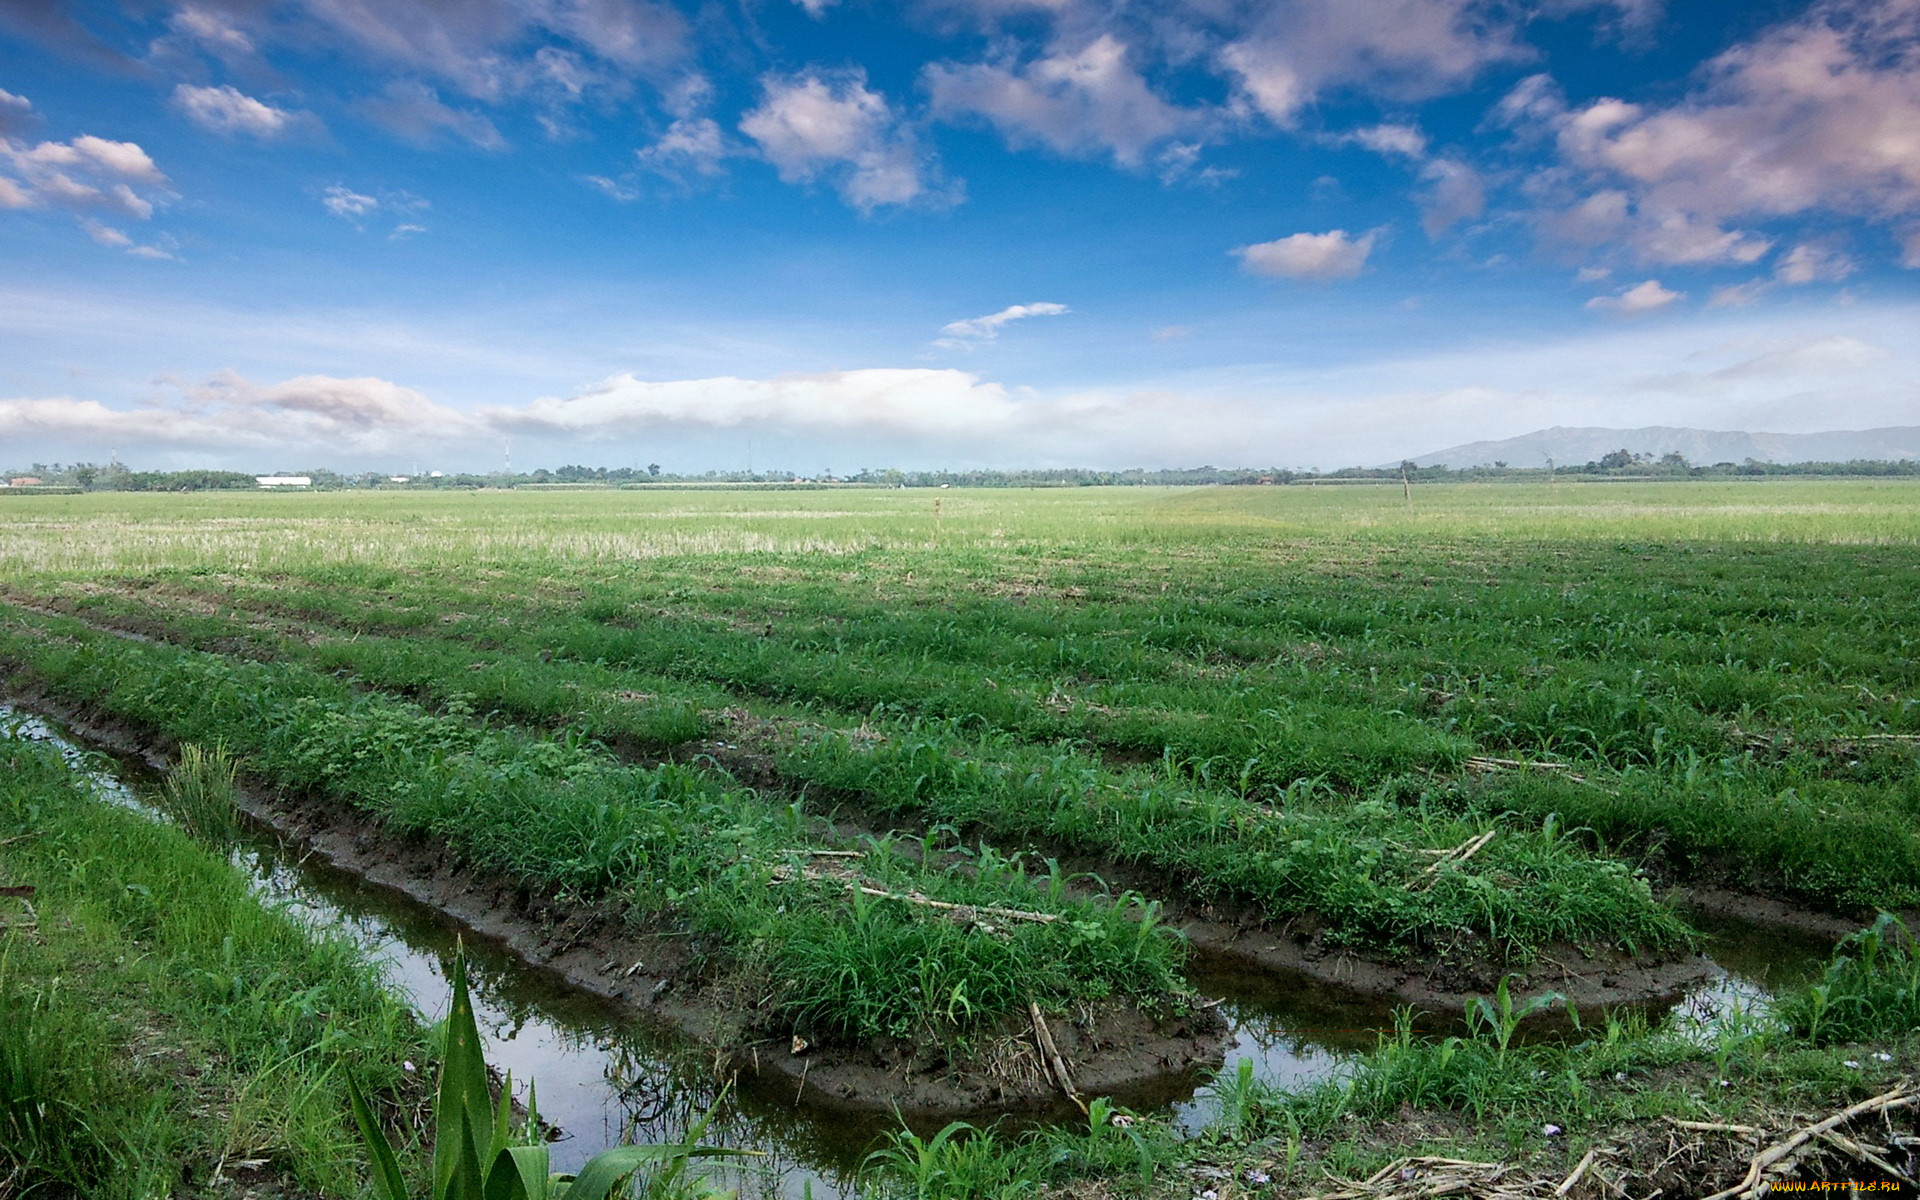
273 481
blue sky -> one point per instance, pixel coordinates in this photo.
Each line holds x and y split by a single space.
389 234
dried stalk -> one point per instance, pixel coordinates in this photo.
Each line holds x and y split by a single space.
1457 855
866 889
1899 1097
1050 1054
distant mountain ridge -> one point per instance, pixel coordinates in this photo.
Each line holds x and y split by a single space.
1572 446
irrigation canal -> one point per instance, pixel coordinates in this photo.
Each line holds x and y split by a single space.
603 1078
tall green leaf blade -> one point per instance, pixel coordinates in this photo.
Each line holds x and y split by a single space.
605 1170
519 1173
462 1110
388 1184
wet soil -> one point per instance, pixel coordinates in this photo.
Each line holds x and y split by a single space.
1227 933
661 974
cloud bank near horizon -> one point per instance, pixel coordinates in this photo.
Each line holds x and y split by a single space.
1778 377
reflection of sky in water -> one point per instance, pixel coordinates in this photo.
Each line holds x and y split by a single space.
1280 1058
599 1087
603 1081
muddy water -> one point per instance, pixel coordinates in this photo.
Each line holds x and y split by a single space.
604 1079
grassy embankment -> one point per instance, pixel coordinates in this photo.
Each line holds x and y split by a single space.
673 846
1727 666
1734 703
162 1031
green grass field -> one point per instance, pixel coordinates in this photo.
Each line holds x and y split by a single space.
1288 700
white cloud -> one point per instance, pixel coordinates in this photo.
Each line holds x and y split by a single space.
344 202
315 413
612 188
1319 256
415 112
105 235
481 47
1404 140
212 31
918 402
227 110
1403 49
960 335
358 208
1644 297
85 174
810 126
1454 193
1453 190
1085 102
1788 370
15 112
1811 262
690 145
1816 114
1808 262
1614 218
1736 295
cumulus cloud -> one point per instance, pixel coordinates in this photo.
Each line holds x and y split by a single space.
1814 114
318 413
1735 295
15 112
212 31
690 146
85 174
1404 140
1403 49
228 110
1808 262
809 126
1335 254
358 209
964 335
478 47
1645 297
1812 262
1088 101
1791 370
1453 192
415 112
344 202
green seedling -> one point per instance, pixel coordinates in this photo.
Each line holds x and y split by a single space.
475 1153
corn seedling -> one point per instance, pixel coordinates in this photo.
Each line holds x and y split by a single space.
476 1155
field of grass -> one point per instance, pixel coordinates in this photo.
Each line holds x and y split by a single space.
1292 701
162 1030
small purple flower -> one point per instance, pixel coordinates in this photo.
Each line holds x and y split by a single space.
1552 1130
1256 1175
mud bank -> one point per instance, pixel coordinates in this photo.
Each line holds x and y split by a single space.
661 975
1234 937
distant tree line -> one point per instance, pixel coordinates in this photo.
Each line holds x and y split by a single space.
1618 464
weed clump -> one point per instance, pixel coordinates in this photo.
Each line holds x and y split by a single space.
1871 988
200 794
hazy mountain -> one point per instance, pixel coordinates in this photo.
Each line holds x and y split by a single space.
1702 447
